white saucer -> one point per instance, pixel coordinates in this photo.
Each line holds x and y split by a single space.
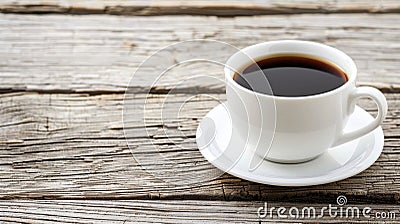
215 133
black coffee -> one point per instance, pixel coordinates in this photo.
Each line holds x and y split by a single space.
291 75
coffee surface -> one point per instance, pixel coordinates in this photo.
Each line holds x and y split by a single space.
291 76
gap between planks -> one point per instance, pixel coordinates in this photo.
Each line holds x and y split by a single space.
199 7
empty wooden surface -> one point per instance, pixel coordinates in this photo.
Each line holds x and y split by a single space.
160 211
64 53
62 84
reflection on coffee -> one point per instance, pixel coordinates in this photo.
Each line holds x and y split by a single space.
291 76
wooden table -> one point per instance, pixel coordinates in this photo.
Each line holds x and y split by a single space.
64 69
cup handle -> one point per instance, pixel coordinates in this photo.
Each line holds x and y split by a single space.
380 100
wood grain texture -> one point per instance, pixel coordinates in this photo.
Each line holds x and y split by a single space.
99 54
73 146
172 211
197 7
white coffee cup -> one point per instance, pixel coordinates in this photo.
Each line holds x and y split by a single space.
296 129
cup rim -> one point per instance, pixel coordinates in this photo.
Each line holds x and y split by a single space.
351 77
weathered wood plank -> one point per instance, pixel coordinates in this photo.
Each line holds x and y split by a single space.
197 7
73 146
97 54
182 211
